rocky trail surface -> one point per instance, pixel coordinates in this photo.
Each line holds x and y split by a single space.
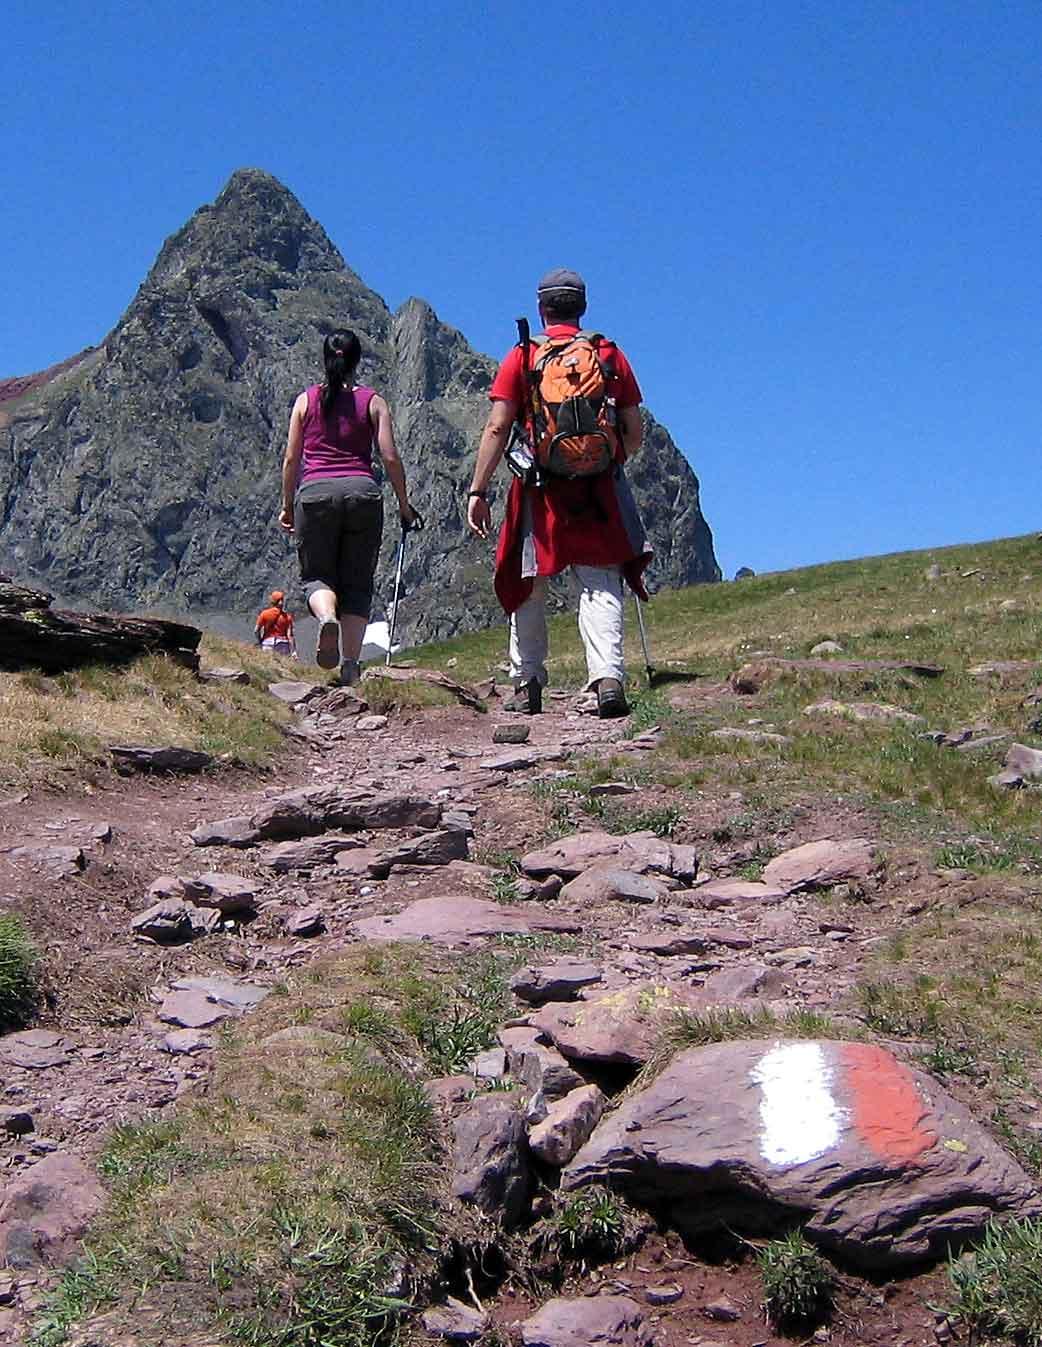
172 905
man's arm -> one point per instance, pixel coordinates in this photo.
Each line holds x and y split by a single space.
631 430
291 461
491 449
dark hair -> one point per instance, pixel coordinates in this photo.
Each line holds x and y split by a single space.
562 306
341 352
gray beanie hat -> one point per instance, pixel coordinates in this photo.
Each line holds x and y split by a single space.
560 278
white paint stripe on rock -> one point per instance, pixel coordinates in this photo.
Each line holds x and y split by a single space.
798 1112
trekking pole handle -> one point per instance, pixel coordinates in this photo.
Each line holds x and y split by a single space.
416 525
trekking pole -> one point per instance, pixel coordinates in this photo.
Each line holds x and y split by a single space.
644 642
417 523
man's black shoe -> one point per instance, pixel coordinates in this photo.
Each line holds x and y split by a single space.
611 700
527 699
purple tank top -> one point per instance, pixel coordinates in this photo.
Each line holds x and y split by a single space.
340 445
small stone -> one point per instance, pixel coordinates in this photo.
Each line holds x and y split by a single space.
16 1122
827 648
489 1065
130 758
723 1310
663 1295
511 734
603 788
166 922
293 692
568 1123
367 724
562 980
224 675
181 1042
35 1049
305 921
454 1321
933 572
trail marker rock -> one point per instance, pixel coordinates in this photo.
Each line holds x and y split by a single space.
884 1167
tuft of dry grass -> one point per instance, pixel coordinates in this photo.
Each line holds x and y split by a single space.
51 726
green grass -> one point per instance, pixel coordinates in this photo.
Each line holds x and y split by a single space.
19 987
997 1288
278 1209
798 1285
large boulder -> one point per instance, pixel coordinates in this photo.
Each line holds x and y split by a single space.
314 809
878 1162
45 1211
589 1321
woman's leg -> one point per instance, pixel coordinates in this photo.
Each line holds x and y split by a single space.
359 549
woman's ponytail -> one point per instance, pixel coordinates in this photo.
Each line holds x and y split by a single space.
341 353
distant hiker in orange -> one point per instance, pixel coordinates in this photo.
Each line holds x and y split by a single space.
274 629
333 503
566 412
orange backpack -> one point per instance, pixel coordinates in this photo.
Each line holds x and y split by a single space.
574 418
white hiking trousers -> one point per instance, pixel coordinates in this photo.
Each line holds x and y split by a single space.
600 626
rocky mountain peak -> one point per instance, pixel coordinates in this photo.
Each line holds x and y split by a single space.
147 475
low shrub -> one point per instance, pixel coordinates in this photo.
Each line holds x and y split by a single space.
798 1285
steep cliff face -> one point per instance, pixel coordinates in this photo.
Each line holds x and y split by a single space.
145 473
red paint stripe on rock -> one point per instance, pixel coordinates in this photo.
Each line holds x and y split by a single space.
886 1108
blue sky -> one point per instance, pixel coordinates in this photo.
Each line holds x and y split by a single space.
813 224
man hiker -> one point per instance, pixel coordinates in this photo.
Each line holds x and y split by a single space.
274 629
571 401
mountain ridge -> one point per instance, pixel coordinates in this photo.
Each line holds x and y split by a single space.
144 472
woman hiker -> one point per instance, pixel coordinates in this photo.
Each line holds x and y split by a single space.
332 501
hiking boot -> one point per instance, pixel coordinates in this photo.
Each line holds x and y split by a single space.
611 700
327 648
350 673
527 698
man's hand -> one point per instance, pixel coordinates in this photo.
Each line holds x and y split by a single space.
479 516
286 519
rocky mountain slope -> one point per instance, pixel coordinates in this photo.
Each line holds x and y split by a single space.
144 473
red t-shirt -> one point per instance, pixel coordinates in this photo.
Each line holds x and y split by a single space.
509 383
274 622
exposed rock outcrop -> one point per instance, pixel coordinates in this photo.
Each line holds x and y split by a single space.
145 473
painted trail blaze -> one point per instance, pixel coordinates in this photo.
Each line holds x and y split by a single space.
886 1108
799 1117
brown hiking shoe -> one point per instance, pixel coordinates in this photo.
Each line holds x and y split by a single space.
611 700
527 699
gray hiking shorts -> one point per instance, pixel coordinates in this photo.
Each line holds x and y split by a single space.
339 522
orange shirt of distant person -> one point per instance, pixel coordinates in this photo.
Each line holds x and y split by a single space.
274 623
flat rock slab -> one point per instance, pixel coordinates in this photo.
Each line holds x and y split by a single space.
1003 668
454 1321
35 1049
129 758
293 691
61 860
817 865
623 1025
588 1321
199 1002
45 1210
224 675
751 736
609 883
880 713
881 1164
445 921
434 848
304 853
638 852
517 759
751 677
561 980
313 810
736 892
